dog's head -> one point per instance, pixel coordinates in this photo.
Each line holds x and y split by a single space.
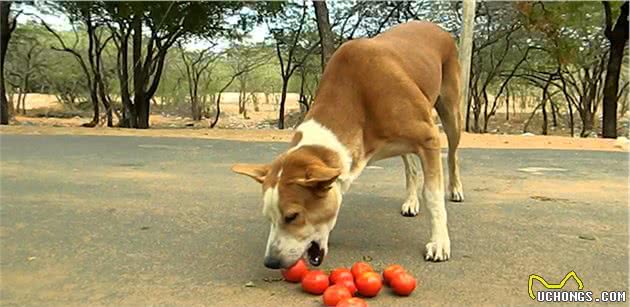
301 200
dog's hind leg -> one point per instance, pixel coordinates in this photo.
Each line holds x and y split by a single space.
411 206
448 109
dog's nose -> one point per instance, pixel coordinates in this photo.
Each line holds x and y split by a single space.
273 263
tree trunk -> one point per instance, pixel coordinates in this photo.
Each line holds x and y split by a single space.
24 93
5 36
507 103
476 110
109 113
530 118
544 113
325 32
255 101
554 113
283 99
486 115
93 66
139 101
587 123
545 97
476 114
129 114
23 102
106 103
611 87
94 99
242 97
218 111
618 38
10 104
468 103
302 99
571 121
18 103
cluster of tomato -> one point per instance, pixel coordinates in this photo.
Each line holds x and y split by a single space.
343 284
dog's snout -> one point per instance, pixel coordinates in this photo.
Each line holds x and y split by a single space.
273 263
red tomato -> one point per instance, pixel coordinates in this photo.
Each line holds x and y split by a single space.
359 268
352 302
334 294
348 283
296 272
403 284
315 282
369 284
390 271
340 274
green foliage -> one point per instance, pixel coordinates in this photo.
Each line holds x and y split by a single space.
569 34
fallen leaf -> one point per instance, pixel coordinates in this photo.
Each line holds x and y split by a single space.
272 279
587 237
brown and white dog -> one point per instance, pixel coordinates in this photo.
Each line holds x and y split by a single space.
374 101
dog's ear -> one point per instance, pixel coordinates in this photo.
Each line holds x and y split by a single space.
319 179
256 171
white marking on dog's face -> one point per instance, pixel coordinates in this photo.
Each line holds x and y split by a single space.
271 204
280 244
289 245
317 210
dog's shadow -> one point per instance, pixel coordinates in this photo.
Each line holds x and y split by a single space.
367 221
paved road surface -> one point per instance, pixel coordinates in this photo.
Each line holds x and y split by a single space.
138 221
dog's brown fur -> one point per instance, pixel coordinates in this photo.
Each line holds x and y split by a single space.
376 97
381 90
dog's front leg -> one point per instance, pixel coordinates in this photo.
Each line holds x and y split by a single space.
439 247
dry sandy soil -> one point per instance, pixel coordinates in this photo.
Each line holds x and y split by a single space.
164 125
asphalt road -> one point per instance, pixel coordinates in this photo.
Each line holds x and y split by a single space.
91 220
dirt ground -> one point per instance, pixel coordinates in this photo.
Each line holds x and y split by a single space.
259 126
45 110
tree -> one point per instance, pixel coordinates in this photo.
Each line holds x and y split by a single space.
88 15
166 23
325 33
295 42
7 26
244 66
26 61
309 73
573 37
496 58
618 37
196 64
242 58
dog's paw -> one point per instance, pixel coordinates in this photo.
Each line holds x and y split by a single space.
411 207
439 250
456 194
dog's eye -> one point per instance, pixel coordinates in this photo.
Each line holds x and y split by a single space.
290 218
